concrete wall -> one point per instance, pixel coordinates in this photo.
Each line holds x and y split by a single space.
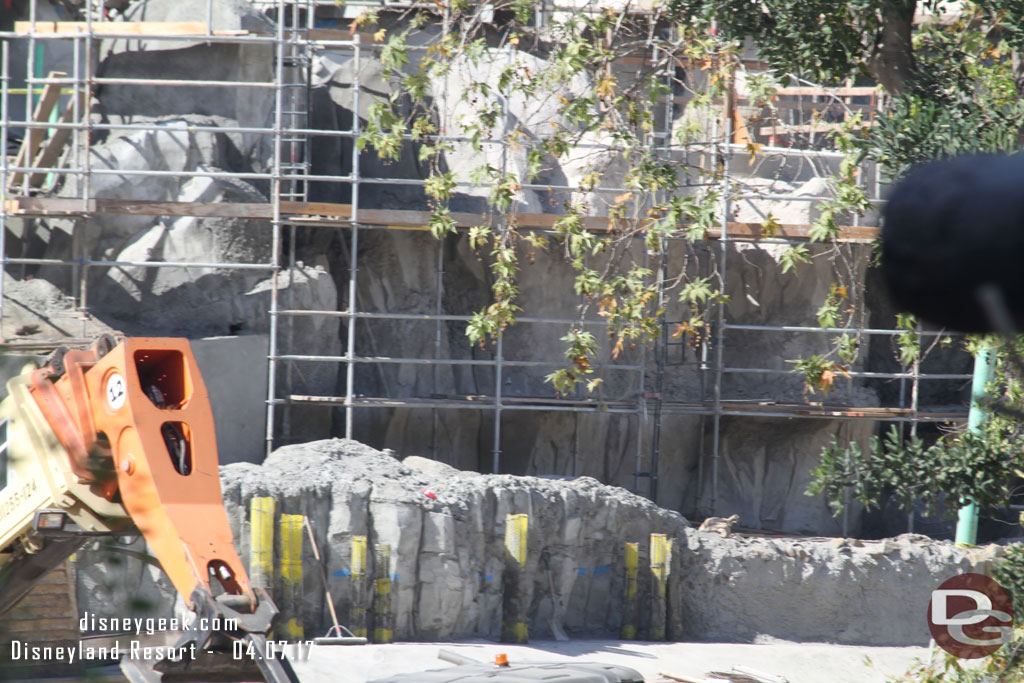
235 372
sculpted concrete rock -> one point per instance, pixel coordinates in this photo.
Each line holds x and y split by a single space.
35 308
870 593
179 60
398 273
449 564
448 554
182 301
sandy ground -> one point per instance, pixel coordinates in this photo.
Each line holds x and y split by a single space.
797 662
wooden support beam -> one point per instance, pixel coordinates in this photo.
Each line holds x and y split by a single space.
811 91
115 28
54 146
810 128
793 105
753 231
59 206
34 139
342 213
336 34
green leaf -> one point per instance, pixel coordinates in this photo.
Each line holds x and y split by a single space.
794 255
696 291
394 55
441 222
439 187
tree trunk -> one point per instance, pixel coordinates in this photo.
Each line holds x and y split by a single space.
893 58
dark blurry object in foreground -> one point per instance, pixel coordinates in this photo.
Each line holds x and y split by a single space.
954 230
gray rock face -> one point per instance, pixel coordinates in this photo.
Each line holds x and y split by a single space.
761 460
448 553
839 590
762 472
181 301
449 558
449 566
246 106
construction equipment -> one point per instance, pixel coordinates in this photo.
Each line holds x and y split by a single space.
120 437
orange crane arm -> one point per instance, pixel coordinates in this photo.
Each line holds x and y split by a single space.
144 402
129 430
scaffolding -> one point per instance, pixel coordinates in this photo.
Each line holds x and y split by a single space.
60 130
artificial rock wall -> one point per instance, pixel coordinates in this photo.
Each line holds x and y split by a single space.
762 463
451 576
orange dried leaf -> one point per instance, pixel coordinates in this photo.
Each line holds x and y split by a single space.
606 86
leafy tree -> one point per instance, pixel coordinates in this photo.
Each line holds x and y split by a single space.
955 87
960 465
950 85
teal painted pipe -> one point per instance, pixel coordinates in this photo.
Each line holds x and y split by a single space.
39 72
984 365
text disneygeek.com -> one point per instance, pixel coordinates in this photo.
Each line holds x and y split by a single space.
92 623
138 649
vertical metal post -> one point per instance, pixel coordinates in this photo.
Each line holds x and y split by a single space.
984 366
723 152
435 384
30 88
576 445
77 247
353 256
915 393
5 75
662 342
86 186
76 100
659 378
275 205
499 356
286 409
289 189
496 451
641 420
